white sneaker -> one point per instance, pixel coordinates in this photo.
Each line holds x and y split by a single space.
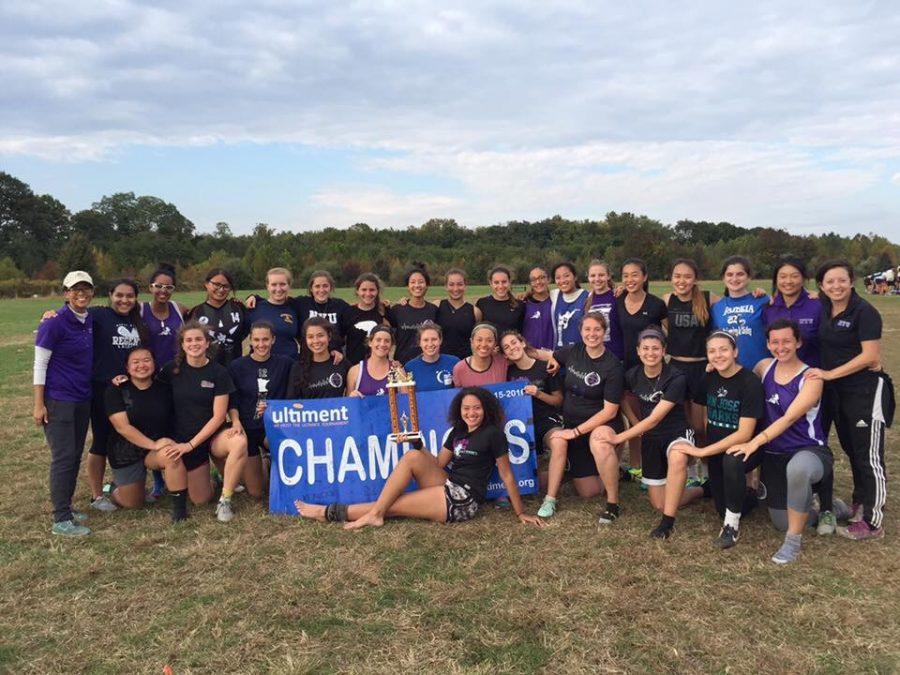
103 503
224 512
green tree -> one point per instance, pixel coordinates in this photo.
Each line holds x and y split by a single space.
78 254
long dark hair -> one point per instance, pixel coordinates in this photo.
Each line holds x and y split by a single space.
503 269
191 324
216 271
134 314
493 412
826 267
305 362
788 261
698 299
736 260
642 266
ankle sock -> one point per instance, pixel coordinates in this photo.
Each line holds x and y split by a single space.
667 522
733 519
226 495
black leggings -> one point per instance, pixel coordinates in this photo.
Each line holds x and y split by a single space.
728 482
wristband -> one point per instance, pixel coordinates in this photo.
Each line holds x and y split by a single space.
190 445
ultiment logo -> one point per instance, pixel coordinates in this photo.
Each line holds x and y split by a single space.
297 414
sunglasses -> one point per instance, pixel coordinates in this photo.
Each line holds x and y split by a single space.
162 287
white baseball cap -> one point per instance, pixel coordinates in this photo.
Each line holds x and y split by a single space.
77 277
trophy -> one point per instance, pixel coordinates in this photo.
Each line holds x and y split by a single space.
397 381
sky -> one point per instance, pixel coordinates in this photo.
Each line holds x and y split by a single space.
306 115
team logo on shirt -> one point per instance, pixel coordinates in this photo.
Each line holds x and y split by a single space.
722 392
206 384
262 385
287 318
126 337
203 319
562 323
445 377
165 332
331 316
653 397
461 447
365 326
773 399
536 315
592 379
843 323
336 380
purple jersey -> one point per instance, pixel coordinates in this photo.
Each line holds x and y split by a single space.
807 312
537 326
803 433
163 333
72 344
368 385
606 303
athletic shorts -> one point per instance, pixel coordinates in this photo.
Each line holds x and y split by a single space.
255 442
581 462
773 478
133 473
196 457
693 374
542 426
461 505
655 453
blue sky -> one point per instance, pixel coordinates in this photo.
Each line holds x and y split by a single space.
305 115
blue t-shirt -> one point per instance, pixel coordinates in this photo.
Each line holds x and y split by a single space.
286 321
432 376
257 381
114 336
743 318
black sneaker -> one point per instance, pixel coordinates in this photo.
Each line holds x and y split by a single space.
728 537
609 516
662 531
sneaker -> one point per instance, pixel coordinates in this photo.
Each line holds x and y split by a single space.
696 482
856 513
662 532
103 503
548 508
728 537
841 510
608 517
69 528
786 554
827 524
502 503
78 516
860 530
224 512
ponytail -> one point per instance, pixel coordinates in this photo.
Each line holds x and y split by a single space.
699 301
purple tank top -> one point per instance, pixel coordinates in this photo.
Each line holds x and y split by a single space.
803 433
368 385
606 303
163 334
537 326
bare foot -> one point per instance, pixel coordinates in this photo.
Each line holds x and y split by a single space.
370 519
311 511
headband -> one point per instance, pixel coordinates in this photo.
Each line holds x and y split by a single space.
722 334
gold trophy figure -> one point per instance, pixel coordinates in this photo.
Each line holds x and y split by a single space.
400 423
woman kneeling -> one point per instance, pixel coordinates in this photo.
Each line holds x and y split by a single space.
450 486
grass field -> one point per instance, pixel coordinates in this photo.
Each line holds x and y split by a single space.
274 594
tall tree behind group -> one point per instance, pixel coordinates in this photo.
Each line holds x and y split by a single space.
128 234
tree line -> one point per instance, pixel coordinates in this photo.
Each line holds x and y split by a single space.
128 235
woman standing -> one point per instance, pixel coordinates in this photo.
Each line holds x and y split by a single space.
406 318
278 312
501 307
860 396
451 486
257 377
456 317
796 455
741 313
369 377
140 411
200 391
602 299
791 300
732 401
358 320
637 309
163 316
63 351
537 323
320 302
224 318
567 300
318 374
592 388
433 370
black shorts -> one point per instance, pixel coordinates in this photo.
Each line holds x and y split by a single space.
255 442
581 462
196 457
773 477
693 374
542 426
461 505
655 456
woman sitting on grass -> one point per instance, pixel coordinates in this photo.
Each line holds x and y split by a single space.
450 486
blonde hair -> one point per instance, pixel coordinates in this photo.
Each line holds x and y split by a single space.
280 270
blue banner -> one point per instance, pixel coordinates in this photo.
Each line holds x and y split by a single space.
337 449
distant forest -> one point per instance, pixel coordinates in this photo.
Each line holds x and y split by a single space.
128 235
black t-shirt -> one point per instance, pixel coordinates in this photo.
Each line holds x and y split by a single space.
324 380
193 393
227 326
539 377
841 336
149 411
686 336
332 310
501 314
406 319
588 382
474 456
356 324
670 385
456 325
651 312
728 399
256 381
114 336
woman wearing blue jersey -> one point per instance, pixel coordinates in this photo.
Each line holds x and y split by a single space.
432 370
740 312
796 456
279 312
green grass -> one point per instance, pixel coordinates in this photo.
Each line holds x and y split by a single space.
276 594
